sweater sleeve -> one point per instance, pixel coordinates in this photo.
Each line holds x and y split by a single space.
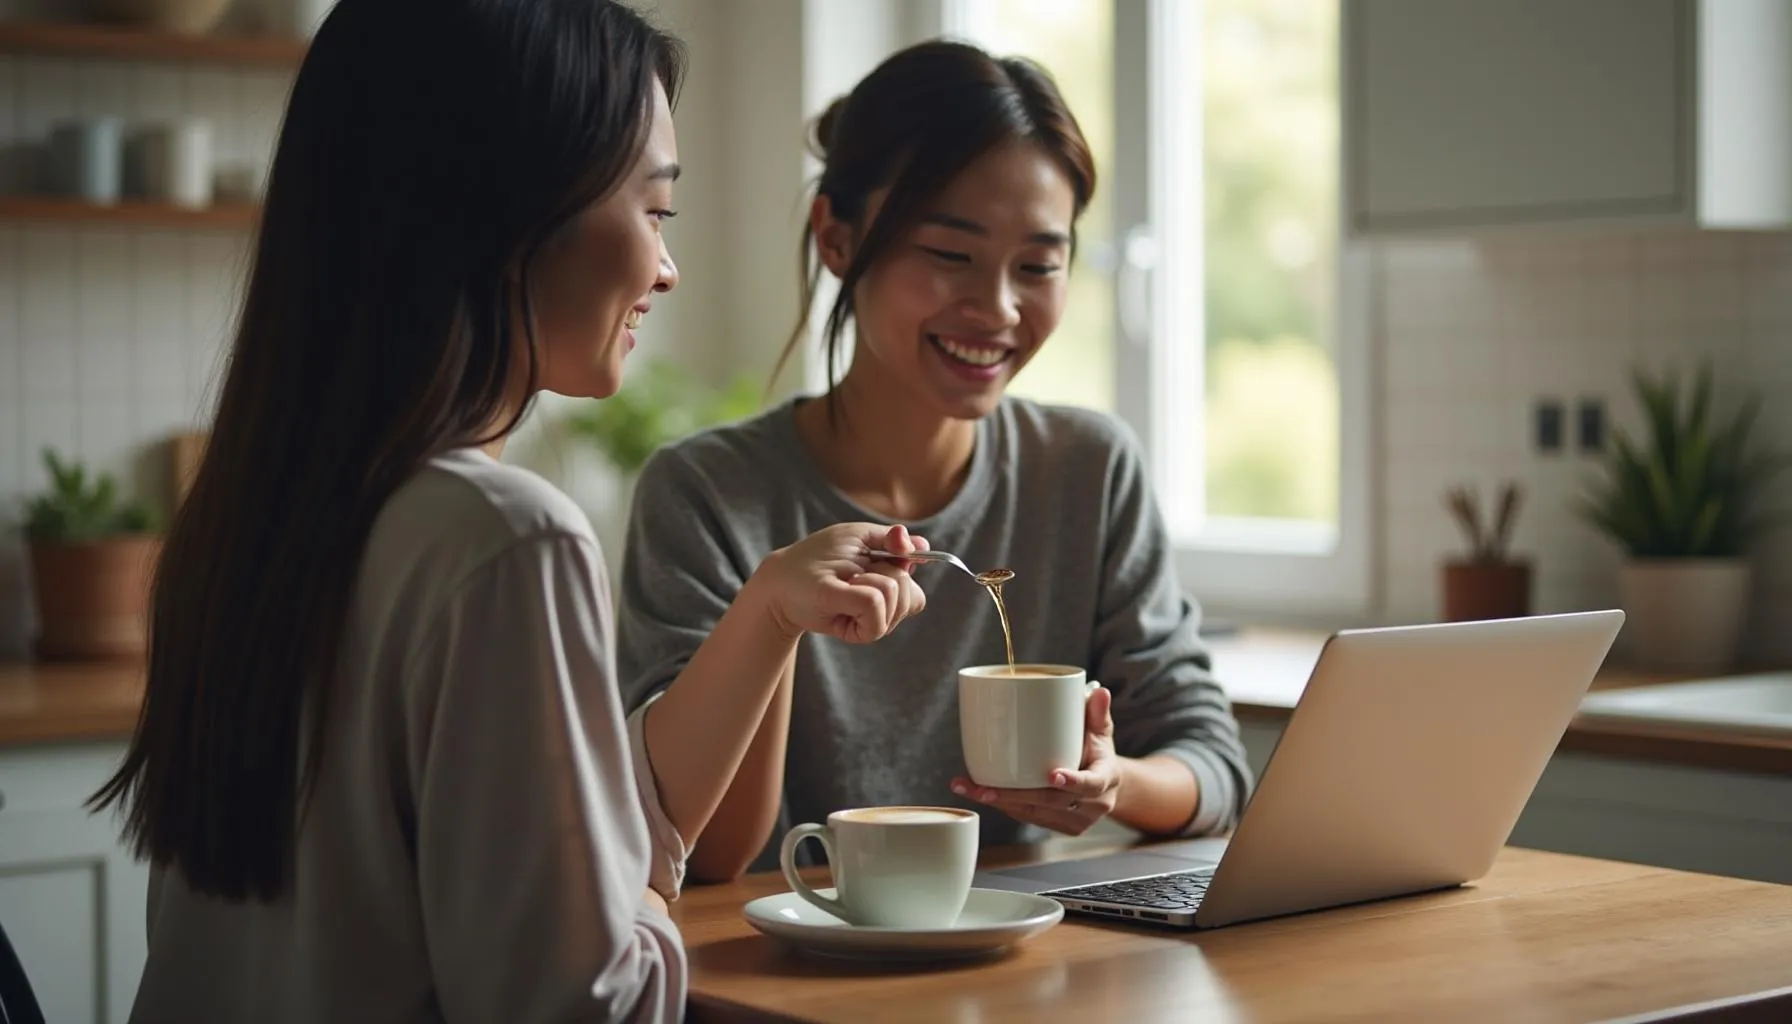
679 575
533 849
1149 653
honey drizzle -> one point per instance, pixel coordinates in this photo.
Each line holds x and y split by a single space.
992 580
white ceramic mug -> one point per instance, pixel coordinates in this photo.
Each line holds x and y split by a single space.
893 867
1019 728
87 159
177 162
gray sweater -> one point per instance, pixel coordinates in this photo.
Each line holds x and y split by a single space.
483 825
1057 494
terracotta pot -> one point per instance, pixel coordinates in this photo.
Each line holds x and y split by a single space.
93 597
1486 590
1684 614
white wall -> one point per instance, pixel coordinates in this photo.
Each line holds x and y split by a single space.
1472 334
759 73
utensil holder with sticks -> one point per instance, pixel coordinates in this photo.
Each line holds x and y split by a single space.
1487 583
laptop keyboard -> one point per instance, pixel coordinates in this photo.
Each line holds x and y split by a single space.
1178 891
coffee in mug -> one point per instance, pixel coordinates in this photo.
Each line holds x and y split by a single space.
1020 725
893 867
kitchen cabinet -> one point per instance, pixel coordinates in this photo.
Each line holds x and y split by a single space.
1466 115
1693 819
71 897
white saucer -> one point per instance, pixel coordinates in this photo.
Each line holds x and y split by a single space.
991 922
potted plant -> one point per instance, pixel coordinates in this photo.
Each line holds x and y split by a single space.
92 557
1487 583
659 403
1684 507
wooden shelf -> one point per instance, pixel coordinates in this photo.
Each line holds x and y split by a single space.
129 213
121 43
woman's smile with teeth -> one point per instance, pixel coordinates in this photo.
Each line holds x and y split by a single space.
633 320
976 355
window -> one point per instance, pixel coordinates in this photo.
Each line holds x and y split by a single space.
1074 40
1212 305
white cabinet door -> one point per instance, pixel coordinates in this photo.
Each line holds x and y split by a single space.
71 900
1464 112
1694 819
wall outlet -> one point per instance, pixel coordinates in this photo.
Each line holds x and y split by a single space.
1590 425
1547 421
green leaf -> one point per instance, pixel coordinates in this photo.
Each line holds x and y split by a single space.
658 404
79 506
1704 528
1701 400
134 518
1688 487
1661 495
1658 407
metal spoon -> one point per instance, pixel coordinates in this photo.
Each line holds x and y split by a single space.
985 578
926 556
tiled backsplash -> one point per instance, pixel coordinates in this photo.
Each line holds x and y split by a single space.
1475 333
109 337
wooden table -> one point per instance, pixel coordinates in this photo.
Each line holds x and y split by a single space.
1544 938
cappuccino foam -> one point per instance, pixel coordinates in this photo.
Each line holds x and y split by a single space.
904 815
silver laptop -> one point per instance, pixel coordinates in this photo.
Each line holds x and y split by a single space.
1403 769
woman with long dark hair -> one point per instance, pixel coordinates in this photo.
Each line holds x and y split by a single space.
381 771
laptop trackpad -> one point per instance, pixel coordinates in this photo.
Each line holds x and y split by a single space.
1041 877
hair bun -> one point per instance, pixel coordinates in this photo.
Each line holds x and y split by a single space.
827 128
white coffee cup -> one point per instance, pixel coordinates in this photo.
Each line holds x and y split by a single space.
1019 727
177 162
893 867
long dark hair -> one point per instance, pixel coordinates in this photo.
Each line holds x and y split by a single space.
429 148
921 117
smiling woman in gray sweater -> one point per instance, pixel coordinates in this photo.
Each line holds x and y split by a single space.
946 209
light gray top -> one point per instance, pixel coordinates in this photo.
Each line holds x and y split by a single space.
483 828
1057 494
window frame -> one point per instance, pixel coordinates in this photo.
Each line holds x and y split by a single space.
1290 573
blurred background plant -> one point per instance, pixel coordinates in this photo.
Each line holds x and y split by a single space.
660 403
1489 539
80 506
1685 503
1692 487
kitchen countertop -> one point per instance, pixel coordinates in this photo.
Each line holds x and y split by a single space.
49 703
1264 671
